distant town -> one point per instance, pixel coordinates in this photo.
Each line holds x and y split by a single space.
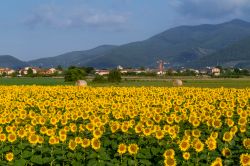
218 71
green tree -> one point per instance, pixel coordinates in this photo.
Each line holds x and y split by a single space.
114 76
99 79
4 74
59 67
30 72
74 74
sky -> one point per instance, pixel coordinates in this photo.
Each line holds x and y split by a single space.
31 29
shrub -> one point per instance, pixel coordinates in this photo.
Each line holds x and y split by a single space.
114 76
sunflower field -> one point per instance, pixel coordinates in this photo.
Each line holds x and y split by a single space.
68 125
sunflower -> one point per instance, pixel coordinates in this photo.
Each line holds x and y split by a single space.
195 122
49 132
72 145
226 152
246 143
245 159
33 139
138 128
12 137
186 155
230 122
21 133
169 153
114 128
170 161
196 133
216 123
234 129
159 134
228 136
52 140
95 143
133 149
73 127
62 132
124 127
43 130
8 129
147 131
9 156
97 133
217 162
78 140
122 148
211 143
85 143
62 138
242 121
40 140
184 145
53 121
42 120
243 128
198 146
2 137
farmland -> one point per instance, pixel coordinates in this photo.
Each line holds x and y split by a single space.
136 82
71 125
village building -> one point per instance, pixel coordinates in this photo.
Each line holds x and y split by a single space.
6 71
215 71
102 72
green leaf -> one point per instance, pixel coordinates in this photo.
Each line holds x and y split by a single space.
22 145
92 162
58 152
20 162
16 151
131 162
93 155
37 159
106 142
145 162
141 156
103 155
155 151
76 163
26 154
5 149
47 160
79 156
146 153
70 155
114 145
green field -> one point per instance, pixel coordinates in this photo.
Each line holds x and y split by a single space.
188 82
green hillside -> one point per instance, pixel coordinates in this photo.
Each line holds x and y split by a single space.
237 54
11 62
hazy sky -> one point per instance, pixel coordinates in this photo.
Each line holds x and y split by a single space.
31 29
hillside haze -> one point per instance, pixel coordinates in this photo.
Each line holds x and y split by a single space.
11 62
193 46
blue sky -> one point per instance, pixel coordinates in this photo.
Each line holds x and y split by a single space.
31 29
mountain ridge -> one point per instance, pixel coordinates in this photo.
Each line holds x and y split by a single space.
181 46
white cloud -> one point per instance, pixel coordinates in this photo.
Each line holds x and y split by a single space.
76 17
213 9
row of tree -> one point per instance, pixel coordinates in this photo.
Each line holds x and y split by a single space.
75 73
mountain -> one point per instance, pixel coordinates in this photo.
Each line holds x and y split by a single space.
191 46
237 54
11 62
78 58
179 46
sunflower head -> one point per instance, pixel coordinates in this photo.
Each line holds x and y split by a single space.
133 149
9 156
122 148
